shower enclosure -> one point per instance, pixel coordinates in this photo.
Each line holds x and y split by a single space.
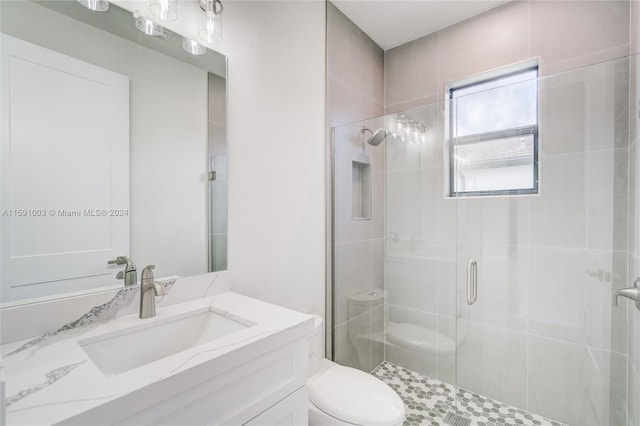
413 246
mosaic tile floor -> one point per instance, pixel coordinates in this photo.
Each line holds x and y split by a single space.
428 401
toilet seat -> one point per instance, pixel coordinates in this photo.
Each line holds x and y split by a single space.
355 397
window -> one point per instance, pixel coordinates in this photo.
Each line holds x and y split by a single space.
493 127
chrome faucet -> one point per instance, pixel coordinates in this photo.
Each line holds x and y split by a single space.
149 289
130 273
632 293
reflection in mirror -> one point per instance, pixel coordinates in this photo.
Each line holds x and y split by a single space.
113 145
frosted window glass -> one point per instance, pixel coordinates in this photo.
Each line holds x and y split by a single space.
503 103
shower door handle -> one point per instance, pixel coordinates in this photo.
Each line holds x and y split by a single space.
472 282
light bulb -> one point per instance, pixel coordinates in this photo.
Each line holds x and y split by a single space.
165 10
192 47
95 5
147 26
211 28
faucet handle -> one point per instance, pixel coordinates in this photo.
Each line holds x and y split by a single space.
120 260
147 273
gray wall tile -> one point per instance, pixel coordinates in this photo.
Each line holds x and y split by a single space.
345 104
561 30
348 51
494 39
492 361
403 106
575 384
633 398
590 31
411 70
634 27
377 73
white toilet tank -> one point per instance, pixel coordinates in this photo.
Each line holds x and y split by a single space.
360 303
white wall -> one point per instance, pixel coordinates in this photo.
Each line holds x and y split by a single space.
276 151
275 133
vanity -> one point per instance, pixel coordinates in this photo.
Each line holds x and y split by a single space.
220 358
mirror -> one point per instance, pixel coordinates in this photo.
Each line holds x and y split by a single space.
113 144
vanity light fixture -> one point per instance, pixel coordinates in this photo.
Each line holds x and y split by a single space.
147 26
405 129
211 25
192 47
164 10
95 5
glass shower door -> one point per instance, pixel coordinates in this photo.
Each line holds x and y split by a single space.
493 129
537 334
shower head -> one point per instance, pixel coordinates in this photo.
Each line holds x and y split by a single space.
376 137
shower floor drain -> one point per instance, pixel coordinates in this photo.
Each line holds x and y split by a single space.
456 420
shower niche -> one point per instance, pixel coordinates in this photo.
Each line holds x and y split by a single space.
361 189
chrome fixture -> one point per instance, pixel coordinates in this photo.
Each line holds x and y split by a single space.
211 6
211 25
192 47
95 5
164 10
376 137
147 26
632 293
472 282
130 273
149 289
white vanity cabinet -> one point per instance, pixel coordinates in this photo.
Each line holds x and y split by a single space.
266 390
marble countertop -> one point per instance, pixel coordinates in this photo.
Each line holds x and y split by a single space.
51 379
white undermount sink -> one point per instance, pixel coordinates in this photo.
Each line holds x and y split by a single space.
123 350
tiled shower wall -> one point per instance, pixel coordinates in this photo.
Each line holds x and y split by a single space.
355 91
634 212
544 334
564 35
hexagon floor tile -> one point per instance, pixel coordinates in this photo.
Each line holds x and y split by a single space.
428 401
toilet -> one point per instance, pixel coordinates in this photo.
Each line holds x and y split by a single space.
344 396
